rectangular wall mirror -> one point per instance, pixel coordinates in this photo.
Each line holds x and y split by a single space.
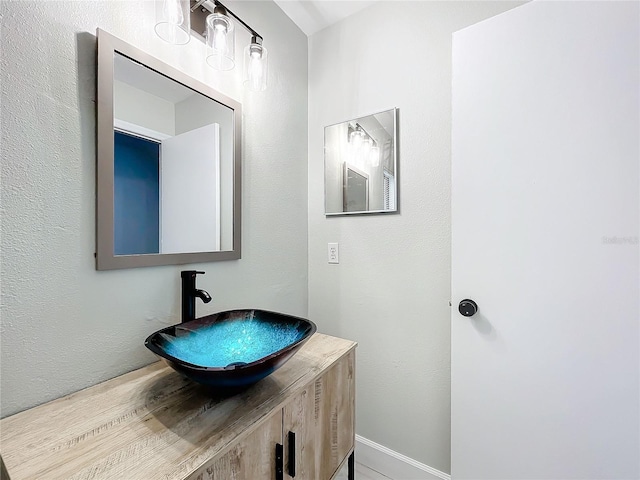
168 181
360 165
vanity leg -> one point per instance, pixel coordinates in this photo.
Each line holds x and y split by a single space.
352 466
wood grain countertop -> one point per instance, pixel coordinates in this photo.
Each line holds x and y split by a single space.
150 423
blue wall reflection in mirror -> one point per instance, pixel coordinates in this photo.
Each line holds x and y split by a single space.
136 195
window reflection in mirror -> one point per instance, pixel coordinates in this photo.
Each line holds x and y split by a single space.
360 165
173 165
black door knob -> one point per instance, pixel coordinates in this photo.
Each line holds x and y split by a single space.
468 308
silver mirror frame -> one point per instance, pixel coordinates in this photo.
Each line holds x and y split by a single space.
108 45
395 163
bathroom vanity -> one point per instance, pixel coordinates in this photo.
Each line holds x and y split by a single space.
154 424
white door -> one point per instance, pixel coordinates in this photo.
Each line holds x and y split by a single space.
545 199
190 191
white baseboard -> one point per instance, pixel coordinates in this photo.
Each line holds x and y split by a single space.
393 464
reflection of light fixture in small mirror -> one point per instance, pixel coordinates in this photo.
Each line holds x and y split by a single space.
356 137
363 148
366 145
174 20
374 156
173 23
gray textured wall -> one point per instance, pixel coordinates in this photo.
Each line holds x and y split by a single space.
391 290
64 325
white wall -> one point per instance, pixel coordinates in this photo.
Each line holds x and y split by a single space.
65 325
391 290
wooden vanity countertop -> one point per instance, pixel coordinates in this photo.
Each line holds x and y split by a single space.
150 423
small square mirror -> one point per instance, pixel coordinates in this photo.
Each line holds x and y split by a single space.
360 165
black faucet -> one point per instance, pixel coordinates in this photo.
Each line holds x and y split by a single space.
189 294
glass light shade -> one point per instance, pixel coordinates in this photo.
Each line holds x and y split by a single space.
357 138
173 21
220 42
374 156
255 67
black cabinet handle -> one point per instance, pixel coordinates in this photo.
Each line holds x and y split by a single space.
292 454
279 463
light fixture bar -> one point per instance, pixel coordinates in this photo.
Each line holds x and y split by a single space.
211 21
359 128
209 5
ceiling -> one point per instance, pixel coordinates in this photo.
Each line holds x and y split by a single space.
148 80
314 15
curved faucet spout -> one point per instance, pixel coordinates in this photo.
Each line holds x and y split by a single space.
203 295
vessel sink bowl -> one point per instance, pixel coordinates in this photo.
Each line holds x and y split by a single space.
231 349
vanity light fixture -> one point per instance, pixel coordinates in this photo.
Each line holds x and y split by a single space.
364 149
176 18
374 156
220 40
255 65
173 21
356 135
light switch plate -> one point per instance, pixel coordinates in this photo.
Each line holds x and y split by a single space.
333 253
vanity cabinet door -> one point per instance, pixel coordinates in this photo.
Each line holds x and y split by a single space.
252 458
322 417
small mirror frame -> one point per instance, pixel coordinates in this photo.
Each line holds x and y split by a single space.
345 165
108 46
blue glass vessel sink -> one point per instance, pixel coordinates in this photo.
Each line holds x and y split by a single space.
233 348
